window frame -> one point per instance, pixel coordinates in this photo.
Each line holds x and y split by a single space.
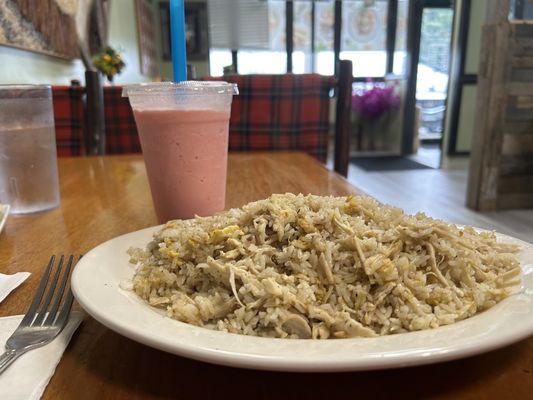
392 15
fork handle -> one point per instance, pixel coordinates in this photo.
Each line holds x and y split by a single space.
7 358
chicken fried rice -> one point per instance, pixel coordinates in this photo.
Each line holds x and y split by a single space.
295 266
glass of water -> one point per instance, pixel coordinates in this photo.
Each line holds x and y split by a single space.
28 160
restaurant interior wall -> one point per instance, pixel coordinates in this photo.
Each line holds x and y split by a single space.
22 66
123 35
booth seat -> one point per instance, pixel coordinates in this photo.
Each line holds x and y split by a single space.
287 112
120 131
69 119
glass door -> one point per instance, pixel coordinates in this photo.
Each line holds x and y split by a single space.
432 71
429 35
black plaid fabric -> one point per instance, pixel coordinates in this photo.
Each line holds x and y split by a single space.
69 115
280 113
121 132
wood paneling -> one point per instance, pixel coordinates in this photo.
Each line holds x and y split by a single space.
519 88
518 145
518 128
44 26
522 62
502 155
515 184
517 164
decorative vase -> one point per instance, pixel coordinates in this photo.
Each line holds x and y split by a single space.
367 135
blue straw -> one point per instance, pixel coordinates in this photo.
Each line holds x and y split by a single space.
177 40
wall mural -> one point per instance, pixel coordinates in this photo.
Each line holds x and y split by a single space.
22 25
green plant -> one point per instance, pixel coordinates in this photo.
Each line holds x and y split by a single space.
109 62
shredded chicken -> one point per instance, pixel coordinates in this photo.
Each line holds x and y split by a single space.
322 267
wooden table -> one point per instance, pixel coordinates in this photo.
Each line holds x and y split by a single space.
104 197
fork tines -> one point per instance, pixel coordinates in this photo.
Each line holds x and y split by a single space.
40 312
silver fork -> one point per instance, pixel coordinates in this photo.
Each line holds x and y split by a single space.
41 325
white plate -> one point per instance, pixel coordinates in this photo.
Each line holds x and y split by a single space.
96 280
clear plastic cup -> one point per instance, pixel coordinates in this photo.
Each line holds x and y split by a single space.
183 130
28 159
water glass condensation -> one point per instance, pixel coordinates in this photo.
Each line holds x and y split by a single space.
28 159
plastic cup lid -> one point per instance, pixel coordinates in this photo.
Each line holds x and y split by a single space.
185 88
25 91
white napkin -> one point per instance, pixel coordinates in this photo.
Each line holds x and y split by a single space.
11 282
28 376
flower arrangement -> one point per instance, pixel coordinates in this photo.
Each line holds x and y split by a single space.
374 102
109 62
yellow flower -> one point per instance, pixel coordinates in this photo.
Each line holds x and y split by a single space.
107 57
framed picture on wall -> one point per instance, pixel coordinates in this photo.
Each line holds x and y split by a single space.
147 42
23 26
195 31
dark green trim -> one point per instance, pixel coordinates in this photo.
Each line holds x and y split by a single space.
460 79
392 19
289 44
337 35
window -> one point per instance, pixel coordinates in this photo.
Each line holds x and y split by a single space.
262 62
363 39
218 59
301 56
400 51
363 36
324 31
313 43
250 61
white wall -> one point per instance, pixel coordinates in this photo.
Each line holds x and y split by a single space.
123 36
21 66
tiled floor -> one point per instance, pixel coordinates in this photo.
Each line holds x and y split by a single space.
428 155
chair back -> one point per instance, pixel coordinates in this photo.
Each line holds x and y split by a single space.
120 130
280 113
69 119
291 112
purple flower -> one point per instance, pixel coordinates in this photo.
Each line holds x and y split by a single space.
375 102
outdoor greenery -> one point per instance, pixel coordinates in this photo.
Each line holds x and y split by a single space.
436 36
109 62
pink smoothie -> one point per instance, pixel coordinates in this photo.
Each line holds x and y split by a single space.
185 153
